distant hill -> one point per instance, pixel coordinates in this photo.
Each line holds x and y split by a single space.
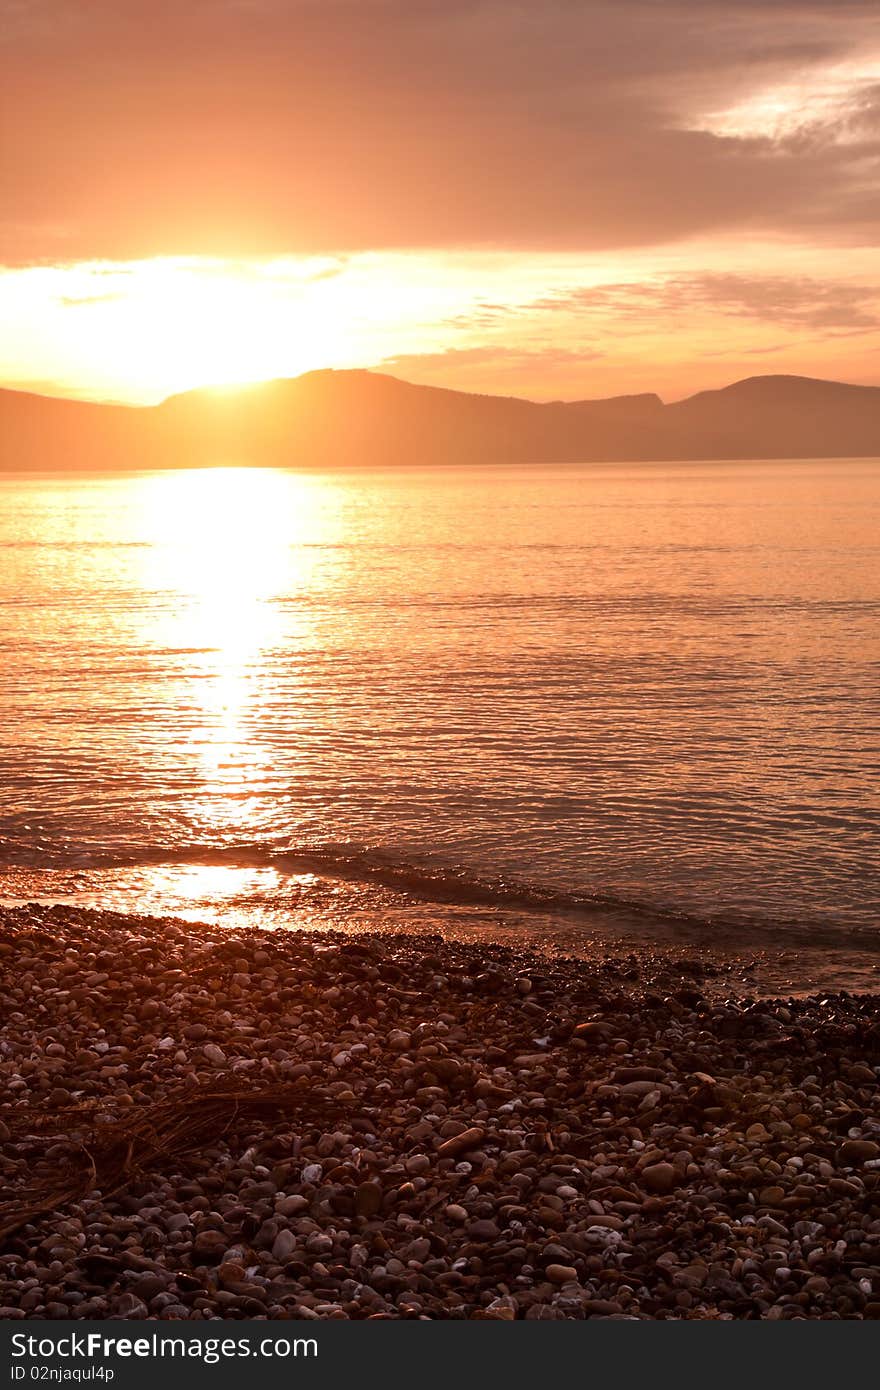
348 418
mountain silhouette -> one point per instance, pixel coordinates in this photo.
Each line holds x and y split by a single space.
333 418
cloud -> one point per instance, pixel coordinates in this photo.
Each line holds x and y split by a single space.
495 355
792 302
331 126
671 332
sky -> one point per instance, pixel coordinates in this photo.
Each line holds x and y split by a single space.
570 199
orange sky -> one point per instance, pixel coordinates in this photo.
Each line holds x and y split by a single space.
564 199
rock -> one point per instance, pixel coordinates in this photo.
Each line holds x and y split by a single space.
368 1199
639 1089
757 1133
857 1151
210 1246
860 1071
483 1230
100 1267
500 1310
283 1246
688 1154
771 1196
417 1163
659 1177
215 1055
128 1305
461 1143
292 1205
147 1286
594 1029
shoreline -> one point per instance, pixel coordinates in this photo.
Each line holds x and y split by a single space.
756 960
329 1125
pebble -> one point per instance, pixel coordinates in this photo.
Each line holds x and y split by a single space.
417 1163
659 1177
469 1130
283 1246
857 1151
483 1230
461 1143
368 1200
210 1245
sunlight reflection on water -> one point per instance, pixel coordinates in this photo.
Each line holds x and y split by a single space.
652 683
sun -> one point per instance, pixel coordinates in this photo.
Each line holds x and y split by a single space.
195 325
139 331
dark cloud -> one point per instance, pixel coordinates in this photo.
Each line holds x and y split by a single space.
262 126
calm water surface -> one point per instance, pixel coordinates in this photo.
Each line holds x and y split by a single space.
645 694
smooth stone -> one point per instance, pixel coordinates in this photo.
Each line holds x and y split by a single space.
659 1177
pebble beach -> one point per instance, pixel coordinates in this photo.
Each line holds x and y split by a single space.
200 1122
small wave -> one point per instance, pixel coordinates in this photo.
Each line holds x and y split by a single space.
445 884
441 884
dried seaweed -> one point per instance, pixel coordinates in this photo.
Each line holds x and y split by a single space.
107 1156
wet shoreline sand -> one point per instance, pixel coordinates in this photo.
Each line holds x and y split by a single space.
201 1121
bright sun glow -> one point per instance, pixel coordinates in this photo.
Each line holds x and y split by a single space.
143 330
549 326
177 324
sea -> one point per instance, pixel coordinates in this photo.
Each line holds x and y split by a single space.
592 707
